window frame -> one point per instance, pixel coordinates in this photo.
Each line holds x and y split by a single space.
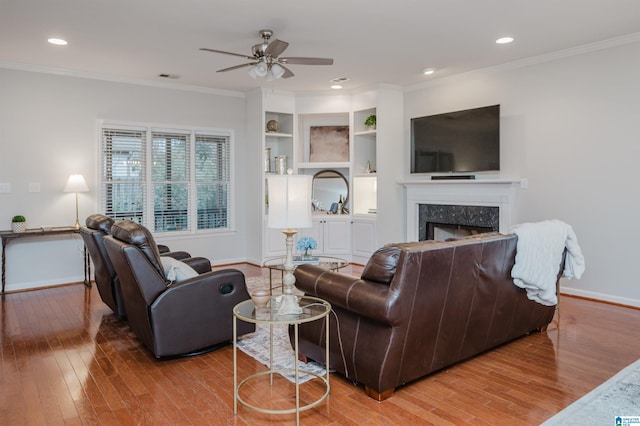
148 214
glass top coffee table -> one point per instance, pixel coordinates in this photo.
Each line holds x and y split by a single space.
327 262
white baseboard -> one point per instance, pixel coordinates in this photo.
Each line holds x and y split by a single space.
43 283
600 296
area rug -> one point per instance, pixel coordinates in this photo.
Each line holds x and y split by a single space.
615 402
256 344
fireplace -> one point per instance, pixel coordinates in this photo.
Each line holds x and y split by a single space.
465 205
440 221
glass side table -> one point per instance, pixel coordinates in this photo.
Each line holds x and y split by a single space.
277 264
313 309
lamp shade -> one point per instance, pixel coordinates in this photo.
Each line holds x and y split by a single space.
289 201
76 183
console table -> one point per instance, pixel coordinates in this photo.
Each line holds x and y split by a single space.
7 236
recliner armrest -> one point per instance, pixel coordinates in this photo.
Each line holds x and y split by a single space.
178 255
367 298
201 265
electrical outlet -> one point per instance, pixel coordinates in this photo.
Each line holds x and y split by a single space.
34 186
5 188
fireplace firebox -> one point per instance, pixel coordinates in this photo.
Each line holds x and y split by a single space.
439 222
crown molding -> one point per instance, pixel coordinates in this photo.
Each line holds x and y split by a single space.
534 60
118 79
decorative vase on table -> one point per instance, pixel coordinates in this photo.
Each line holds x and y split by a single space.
307 244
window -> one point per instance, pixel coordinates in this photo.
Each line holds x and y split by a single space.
167 180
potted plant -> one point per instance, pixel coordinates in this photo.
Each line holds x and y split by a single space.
18 223
370 122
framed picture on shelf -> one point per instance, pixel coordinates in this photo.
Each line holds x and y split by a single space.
328 144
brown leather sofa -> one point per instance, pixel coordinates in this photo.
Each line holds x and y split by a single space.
97 226
418 308
171 318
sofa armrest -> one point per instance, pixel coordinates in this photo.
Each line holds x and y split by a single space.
367 298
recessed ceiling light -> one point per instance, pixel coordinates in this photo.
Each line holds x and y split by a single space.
428 71
504 40
336 86
57 41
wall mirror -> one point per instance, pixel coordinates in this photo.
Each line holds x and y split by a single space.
328 186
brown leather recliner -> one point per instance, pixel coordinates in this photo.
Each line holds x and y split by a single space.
106 279
173 318
418 308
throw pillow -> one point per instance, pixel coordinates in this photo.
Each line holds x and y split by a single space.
381 267
176 271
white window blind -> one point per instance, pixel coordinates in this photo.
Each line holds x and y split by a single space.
212 181
170 181
123 174
171 178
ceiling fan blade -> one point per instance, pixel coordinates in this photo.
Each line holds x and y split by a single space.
307 61
275 48
287 72
226 53
236 67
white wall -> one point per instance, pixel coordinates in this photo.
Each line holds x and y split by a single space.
48 130
571 126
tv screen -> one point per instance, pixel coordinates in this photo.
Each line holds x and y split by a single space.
457 142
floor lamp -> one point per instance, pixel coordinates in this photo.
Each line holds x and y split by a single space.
289 208
76 183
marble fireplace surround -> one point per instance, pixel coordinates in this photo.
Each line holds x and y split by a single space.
498 193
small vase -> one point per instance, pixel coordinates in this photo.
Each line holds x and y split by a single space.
307 254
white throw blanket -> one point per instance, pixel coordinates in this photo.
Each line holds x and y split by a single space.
538 255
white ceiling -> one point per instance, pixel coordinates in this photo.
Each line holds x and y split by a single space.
370 41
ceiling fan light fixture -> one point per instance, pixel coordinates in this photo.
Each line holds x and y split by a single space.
252 72
277 70
261 69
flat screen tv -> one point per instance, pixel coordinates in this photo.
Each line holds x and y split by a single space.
457 142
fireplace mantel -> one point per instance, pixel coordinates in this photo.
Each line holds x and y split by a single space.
500 193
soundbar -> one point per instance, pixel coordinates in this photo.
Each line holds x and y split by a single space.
454 177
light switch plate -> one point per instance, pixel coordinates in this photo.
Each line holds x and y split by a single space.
5 188
34 186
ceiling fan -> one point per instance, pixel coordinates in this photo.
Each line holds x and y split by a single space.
266 61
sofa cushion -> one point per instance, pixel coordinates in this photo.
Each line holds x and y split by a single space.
176 271
381 267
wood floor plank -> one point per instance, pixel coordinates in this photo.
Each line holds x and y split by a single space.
66 359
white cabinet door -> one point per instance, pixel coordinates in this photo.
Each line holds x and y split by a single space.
337 237
333 235
364 239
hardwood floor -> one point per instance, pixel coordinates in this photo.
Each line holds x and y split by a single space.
65 359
